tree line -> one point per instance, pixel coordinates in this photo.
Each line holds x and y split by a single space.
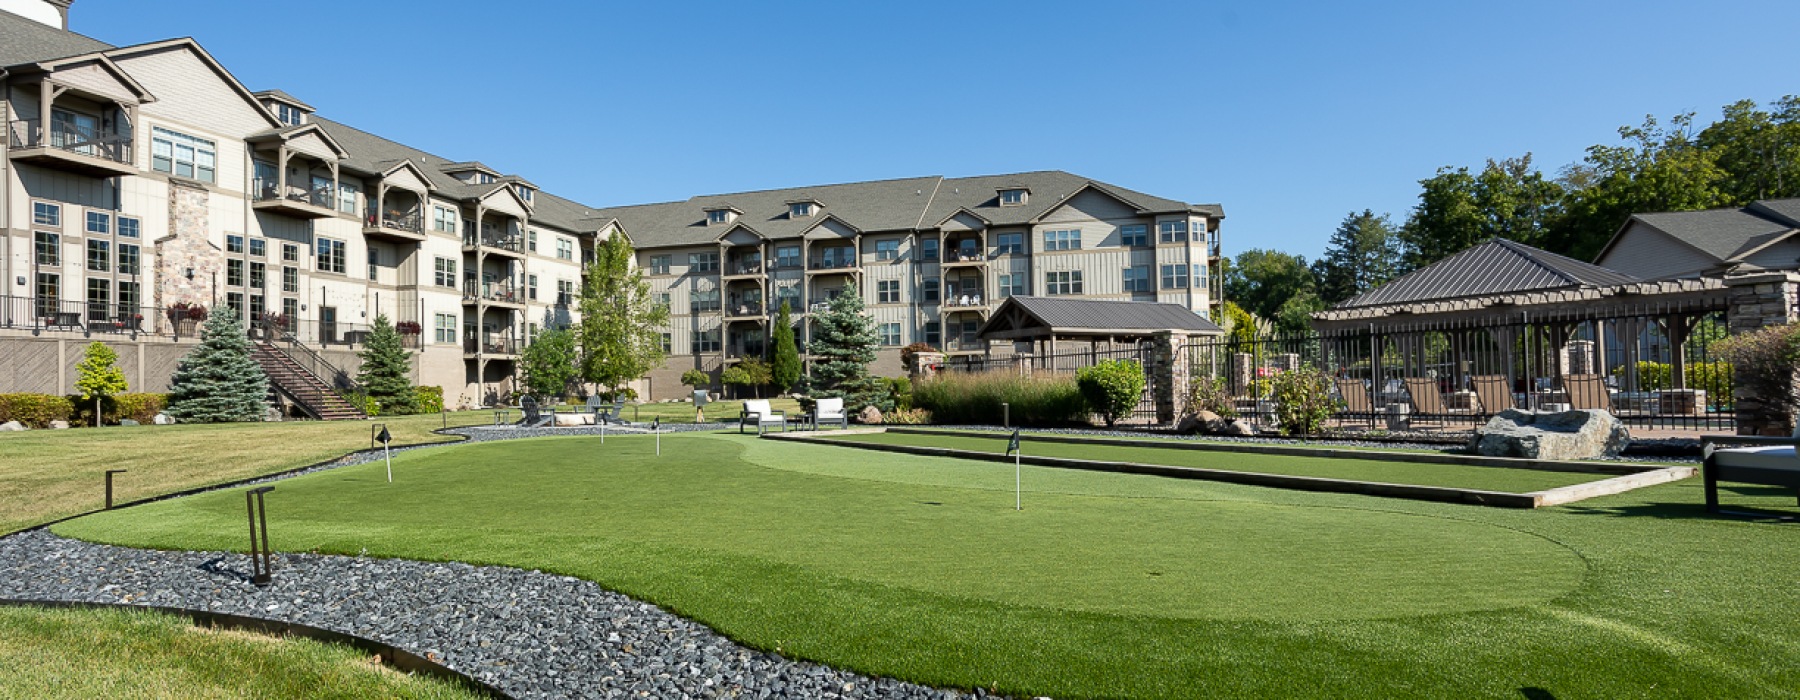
1751 152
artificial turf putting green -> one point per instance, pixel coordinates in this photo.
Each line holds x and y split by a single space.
1106 585
140 654
1372 469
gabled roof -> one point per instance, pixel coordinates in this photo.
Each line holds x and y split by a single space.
1498 266
206 57
24 40
280 96
1726 235
1052 316
289 133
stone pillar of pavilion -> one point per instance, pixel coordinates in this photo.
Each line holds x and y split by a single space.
1759 300
1168 374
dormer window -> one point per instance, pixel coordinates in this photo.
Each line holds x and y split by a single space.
1012 197
289 115
802 207
482 178
524 192
721 215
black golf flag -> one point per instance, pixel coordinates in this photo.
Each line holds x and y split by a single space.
1013 446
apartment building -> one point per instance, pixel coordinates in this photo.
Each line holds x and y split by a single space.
144 180
141 179
931 256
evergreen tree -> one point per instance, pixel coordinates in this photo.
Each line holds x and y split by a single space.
549 363
218 381
386 374
844 341
1362 254
621 323
784 368
99 377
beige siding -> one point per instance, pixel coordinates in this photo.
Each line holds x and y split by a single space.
312 145
190 94
96 78
1645 252
1781 256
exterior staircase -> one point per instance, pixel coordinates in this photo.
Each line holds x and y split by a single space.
301 385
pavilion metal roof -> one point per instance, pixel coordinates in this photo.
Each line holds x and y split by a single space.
1092 317
1498 266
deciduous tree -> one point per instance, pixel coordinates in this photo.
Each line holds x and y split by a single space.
621 323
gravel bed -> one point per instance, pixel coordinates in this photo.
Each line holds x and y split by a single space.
531 634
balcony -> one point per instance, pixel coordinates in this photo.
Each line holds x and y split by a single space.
745 351
492 293
832 264
965 257
751 269
493 239
965 302
300 202
395 226
744 311
70 148
490 346
957 345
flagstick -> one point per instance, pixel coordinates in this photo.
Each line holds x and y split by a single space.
602 432
658 432
389 455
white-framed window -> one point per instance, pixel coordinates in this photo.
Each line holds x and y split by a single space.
1134 235
887 292
1062 239
46 214
259 247
331 255
701 300
234 273
444 272
130 296
790 294
259 276
1137 278
1199 276
800 209
290 252
703 262
565 248
234 243
482 178
182 155
565 292
524 192
443 219
887 250
130 227
99 295
99 223
290 279
347 197
668 343
928 249
1174 277
531 240
1062 283
718 216
787 256
659 264
929 290
445 328
531 286
1172 231
1012 285
890 334
129 259
291 116
1012 198
705 341
99 255
1009 244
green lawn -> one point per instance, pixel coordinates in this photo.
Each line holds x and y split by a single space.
1372 469
1106 585
50 474
119 653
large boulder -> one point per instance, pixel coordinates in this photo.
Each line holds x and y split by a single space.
1197 422
1565 435
163 419
59 425
12 426
569 420
870 415
1235 427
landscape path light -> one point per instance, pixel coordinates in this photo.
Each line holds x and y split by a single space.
109 485
260 573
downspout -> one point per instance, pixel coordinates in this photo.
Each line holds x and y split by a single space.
6 203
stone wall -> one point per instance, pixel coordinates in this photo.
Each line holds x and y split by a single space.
188 247
1759 300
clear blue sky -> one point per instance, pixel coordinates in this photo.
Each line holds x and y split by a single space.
1290 114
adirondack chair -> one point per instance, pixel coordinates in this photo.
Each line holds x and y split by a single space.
1494 393
1587 392
1356 399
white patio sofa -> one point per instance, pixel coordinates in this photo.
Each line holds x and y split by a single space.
1769 461
758 413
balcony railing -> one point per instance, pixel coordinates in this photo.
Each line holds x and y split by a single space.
956 256
491 346
964 300
744 309
319 195
492 291
30 133
832 264
749 268
965 345
703 306
495 238
77 315
410 223
746 350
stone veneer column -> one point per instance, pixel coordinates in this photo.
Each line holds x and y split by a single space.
188 246
1759 300
1168 374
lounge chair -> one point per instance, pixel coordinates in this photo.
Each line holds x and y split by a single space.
758 413
1587 392
1428 402
1775 461
830 411
1494 393
1356 399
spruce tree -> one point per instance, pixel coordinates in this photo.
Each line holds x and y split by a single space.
218 381
386 374
784 367
845 342
99 377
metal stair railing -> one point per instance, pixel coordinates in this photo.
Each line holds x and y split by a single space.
308 360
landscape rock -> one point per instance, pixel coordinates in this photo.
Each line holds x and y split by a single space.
1234 427
870 415
127 422
12 426
574 419
59 425
163 419
1196 422
1565 435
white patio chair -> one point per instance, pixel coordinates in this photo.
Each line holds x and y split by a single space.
758 413
830 411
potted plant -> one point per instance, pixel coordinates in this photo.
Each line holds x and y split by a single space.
186 317
409 333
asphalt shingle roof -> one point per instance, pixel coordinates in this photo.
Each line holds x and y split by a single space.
27 41
1720 233
1498 266
1126 317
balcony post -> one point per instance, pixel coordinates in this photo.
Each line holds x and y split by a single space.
281 167
381 203
331 201
46 99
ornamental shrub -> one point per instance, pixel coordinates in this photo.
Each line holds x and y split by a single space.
1112 388
963 398
696 379
907 416
1302 400
431 398
1766 361
139 407
1211 395
1714 378
35 410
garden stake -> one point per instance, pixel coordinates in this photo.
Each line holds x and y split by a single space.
259 551
109 482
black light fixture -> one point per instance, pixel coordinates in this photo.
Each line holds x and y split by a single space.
190 274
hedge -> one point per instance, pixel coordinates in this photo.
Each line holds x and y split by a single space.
975 398
35 410
138 407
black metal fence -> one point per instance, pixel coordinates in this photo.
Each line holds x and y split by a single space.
1653 370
